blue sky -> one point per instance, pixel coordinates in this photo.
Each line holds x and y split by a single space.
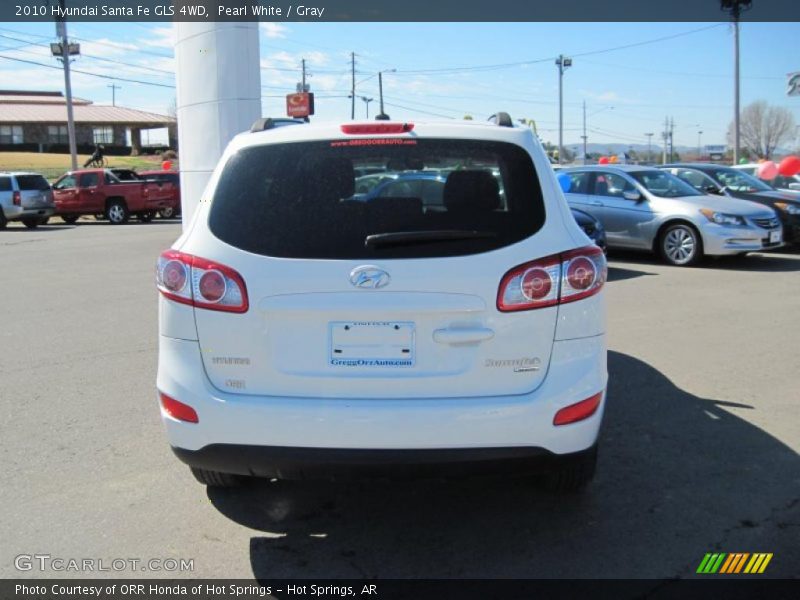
628 91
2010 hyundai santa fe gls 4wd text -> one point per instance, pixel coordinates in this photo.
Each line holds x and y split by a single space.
307 332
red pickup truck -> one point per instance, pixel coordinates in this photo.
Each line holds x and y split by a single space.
99 191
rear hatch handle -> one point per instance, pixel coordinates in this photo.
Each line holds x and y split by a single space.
462 335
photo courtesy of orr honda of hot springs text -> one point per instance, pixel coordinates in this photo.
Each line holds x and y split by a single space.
312 329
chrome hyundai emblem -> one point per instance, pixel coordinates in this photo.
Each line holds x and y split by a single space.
369 277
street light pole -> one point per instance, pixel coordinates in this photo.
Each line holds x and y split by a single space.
366 103
382 115
699 144
649 146
563 63
61 28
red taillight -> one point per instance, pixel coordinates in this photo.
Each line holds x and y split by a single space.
376 128
178 410
200 282
16 198
579 411
552 280
212 286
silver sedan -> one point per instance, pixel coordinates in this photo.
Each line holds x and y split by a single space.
643 208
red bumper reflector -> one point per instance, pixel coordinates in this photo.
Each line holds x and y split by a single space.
578 412
178 410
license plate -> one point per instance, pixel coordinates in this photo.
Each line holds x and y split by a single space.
371 344
774 237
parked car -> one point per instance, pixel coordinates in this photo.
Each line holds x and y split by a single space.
726 181
780 182
25 197
591 227
426 186
642 208
305 332
171 180
99 191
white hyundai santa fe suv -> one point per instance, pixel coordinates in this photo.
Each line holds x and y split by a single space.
307 331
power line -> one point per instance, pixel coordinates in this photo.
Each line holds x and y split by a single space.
90 56
425 112
112 77
492 67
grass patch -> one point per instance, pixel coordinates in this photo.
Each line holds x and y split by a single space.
52 166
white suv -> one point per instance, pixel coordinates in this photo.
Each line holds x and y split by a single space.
308 331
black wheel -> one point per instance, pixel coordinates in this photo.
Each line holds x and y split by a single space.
44 220
573 474
215 478
166 213
680 245
117 212
69 219
146 217
30 223
3 221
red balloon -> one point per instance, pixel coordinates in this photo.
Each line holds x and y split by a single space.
166 165
603 160
789 166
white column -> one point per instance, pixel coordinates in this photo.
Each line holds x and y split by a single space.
218 95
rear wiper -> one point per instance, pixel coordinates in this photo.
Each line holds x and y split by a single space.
409 238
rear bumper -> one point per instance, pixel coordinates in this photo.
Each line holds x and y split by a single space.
13 213
577 371
337 463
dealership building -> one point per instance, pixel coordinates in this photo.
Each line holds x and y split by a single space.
32 121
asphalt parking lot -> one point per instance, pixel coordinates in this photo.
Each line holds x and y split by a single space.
699 451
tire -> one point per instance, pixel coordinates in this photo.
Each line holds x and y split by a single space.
117 212
680 245
30 223
145 217
166 213
573 475
44 220
3 221
215 478
70 219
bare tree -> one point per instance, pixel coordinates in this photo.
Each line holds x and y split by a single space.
763 128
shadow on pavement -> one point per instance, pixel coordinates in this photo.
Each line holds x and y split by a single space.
678 476
777 262
785 263
620 274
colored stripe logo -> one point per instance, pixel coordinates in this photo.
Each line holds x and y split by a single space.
734 563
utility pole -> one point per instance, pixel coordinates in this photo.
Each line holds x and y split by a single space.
665 136
563 63
114 87
303 80
584 132
61 30
353 86
735 8
649 147
671 139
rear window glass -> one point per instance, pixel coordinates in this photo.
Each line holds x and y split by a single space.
5 184
32 182
377 198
